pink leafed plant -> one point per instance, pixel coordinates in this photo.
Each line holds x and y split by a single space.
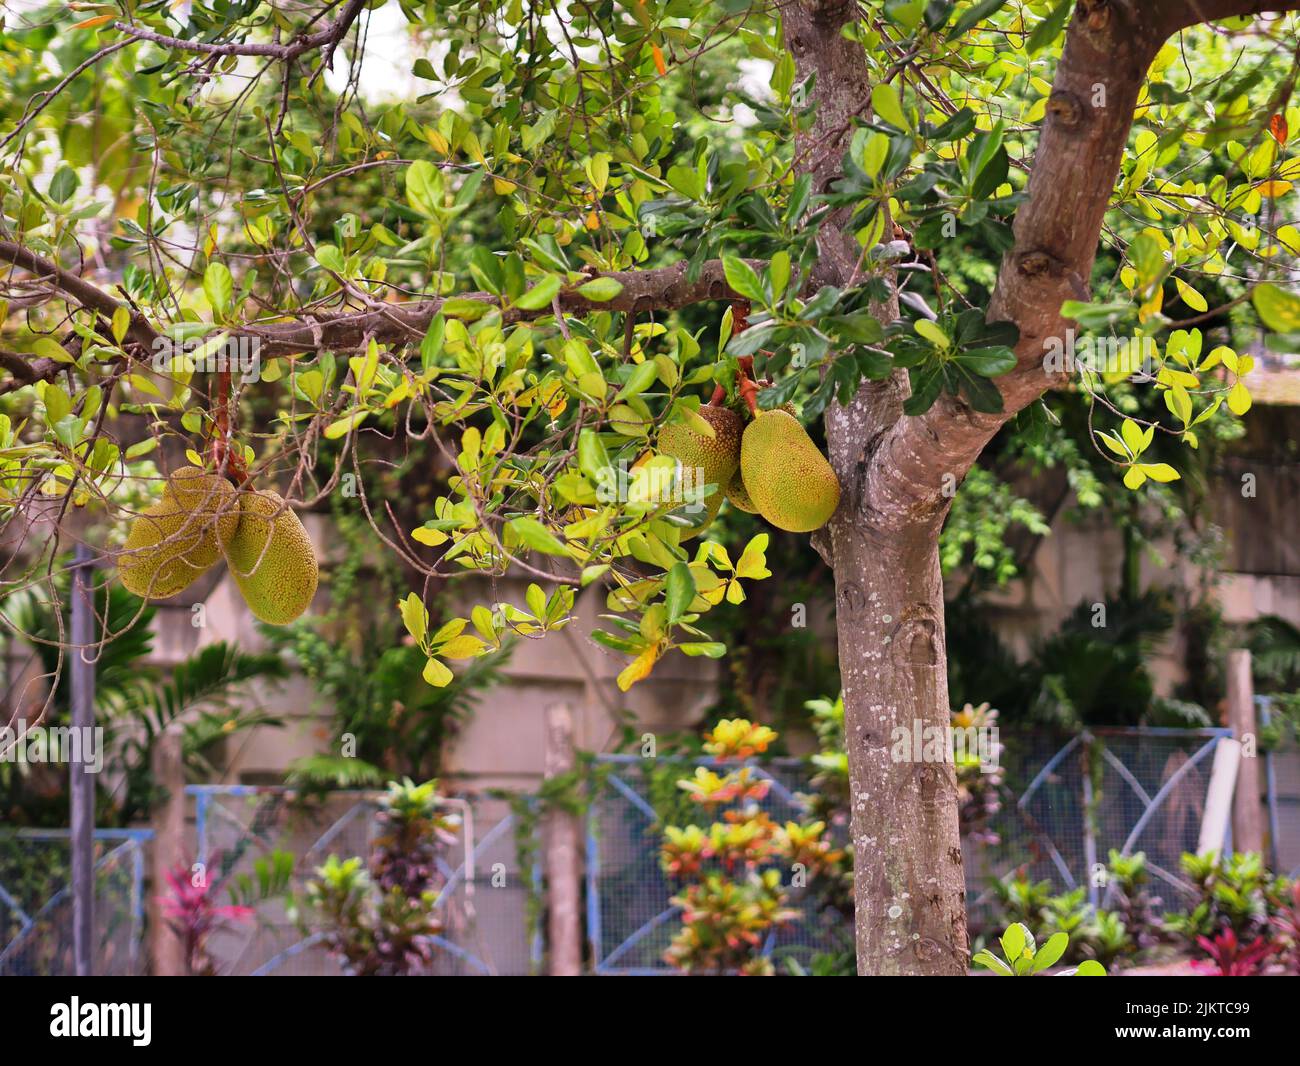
193 914
1230 958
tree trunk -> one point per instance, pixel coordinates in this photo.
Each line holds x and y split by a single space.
909 889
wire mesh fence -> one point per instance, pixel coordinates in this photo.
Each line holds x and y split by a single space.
1067 802
1072 800
1282 784
36 903
482 905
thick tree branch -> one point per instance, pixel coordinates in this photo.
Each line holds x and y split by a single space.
82 292
1109 47
326 39
662 289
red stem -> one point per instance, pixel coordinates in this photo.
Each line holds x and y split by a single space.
221 452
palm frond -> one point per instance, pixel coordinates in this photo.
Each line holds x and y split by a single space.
209 676
334 771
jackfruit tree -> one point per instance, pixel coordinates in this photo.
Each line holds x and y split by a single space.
614 268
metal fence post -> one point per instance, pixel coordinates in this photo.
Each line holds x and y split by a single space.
81 782
1089 816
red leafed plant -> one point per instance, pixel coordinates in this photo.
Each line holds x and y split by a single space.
192 913
1286 922
1230 958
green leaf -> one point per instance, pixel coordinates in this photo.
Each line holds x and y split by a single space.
600 289
991 962
1090 968
593 459
1161 472
437 674
219 288
532 534
424 187
709 649
885 105
1278 309
1014 940
343 426
742 278
987 362
540 295
778 272
121 323
679 591
1050 952
1050 28
414 616
642 377
63 185
49 348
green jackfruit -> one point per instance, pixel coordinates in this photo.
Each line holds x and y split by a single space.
713 460
180 537
278 579
787 478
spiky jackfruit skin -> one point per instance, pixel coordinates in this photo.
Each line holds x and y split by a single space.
736 491
715 459
180 537
278 579
195 490
787 478
738 495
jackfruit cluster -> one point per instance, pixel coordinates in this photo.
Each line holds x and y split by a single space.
768 466
201 517
181 536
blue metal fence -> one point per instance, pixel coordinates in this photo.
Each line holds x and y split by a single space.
1070 801
36 903
482 902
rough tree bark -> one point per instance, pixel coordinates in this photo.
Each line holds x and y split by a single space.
897 474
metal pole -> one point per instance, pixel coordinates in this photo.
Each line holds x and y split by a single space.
81 782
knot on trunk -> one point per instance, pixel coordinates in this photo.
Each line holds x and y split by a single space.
915 639
1066 109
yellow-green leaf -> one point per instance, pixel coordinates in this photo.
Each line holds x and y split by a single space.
437 674
886 105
